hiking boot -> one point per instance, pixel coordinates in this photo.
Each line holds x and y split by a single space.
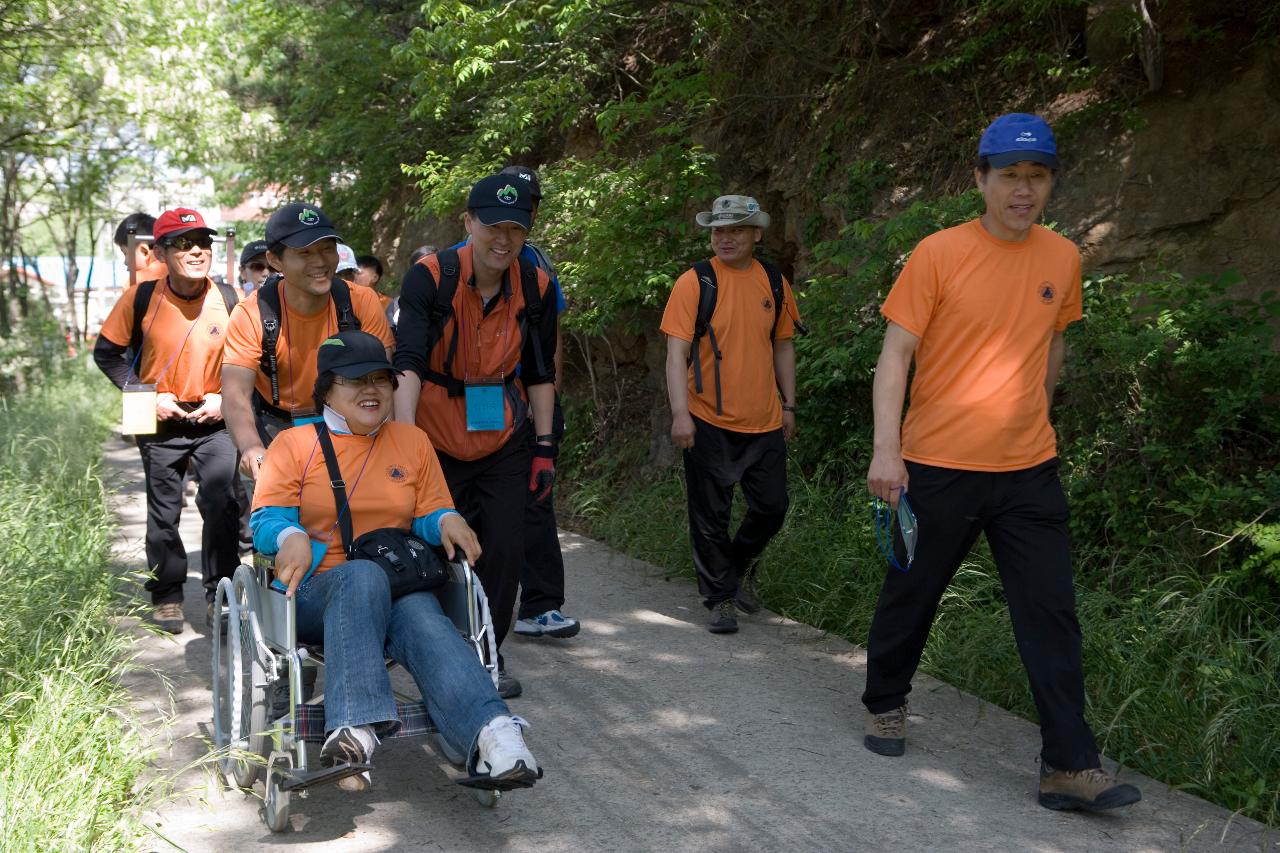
508 686
746 598
1093 790
724 618
503 753
349 745
886 734
553 623
168 617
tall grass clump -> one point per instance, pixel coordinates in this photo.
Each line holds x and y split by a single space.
69 757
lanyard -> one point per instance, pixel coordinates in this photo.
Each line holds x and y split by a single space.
288 351
133 368
346 507
466 325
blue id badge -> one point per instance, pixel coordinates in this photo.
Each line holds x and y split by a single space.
318 550
485 408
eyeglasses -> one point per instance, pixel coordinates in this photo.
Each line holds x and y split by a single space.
883 513
256 266
183 243
369 380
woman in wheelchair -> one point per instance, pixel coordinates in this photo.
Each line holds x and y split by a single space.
392 480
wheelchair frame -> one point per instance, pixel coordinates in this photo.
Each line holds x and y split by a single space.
260 647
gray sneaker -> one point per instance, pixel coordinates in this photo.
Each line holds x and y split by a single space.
886 734
748 601
724 618
508 686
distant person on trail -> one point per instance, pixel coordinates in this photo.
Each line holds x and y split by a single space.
347 266
254 268
144 262
475 344
168 332
393 306
982 307
370 271
268 388
731 379
542 575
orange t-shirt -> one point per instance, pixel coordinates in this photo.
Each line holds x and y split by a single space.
985 311
742 322
181 339
489 346
392 478
298 342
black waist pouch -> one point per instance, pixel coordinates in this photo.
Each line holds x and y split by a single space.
410 563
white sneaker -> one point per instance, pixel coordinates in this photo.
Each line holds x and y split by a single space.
350 745
503 754
553 623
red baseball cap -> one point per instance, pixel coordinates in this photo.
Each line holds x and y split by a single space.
180 220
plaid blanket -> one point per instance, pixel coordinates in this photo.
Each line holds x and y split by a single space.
414 721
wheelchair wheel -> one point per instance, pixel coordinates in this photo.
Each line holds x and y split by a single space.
275 805
221 693
246 682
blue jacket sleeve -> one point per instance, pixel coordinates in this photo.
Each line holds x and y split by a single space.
428 526
269 522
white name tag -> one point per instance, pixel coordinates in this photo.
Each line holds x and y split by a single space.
138 413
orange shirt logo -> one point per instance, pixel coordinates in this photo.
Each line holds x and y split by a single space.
396 474
1047 292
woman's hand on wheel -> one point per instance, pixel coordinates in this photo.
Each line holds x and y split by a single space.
456 534
293 561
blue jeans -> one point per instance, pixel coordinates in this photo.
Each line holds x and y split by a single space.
349 609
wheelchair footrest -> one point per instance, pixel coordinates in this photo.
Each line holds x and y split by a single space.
297 780
308 721
488 783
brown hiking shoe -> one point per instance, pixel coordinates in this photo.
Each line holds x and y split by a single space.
886 734
1093 790
168 617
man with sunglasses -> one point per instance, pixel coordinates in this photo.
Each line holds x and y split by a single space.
169 333
981 308
254 268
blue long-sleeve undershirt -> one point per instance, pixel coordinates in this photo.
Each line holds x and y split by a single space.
271 525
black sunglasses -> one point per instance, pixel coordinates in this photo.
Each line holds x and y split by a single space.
183 243
256 266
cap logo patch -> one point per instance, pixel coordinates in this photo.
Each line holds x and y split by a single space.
508 195
308 216
725 204
333 342
187 217
1026 136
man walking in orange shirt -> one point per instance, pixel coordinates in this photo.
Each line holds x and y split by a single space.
732 320
982 307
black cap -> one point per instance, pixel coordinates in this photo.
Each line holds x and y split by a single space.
351 354
527 175
251 250
298 225
502 198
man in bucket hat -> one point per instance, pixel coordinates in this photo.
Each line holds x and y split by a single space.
981 308
731 380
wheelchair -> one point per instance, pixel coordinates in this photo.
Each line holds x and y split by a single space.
259 651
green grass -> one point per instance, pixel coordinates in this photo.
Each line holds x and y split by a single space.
70 757
1183 676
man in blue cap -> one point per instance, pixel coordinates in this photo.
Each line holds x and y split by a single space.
981 308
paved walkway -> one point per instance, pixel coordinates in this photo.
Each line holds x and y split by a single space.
656 735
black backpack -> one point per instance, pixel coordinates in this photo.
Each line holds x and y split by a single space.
706 274
441 309
142 301
269 308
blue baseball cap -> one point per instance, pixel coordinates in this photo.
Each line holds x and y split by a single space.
1016 137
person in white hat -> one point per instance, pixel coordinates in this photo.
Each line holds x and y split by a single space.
731 380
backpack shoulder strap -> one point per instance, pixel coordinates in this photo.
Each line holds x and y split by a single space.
141 302
340 293
533 310
229 297
779 294
339 486
541 259
269 310
707 290
440 309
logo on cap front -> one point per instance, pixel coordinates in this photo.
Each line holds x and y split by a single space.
1026 136
187 217
333 342
508 195
308 216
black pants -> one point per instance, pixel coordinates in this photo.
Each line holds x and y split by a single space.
165 457
1024 516
490 492
542 575
719 460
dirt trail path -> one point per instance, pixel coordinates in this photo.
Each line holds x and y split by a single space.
656 735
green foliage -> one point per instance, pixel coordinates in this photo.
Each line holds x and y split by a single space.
70 757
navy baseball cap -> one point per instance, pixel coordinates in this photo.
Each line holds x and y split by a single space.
1016 137
529 176
502 198
351 354
299 225
252 250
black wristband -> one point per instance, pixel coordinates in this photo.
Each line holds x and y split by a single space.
787 408
548 437
545 451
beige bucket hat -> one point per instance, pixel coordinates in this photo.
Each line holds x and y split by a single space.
734 210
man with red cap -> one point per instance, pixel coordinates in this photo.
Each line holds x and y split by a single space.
168 333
